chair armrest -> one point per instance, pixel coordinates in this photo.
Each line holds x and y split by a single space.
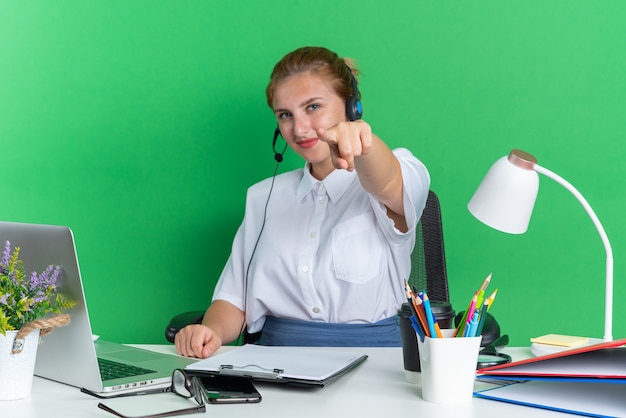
181 321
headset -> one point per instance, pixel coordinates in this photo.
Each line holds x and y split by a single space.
354 108
354 111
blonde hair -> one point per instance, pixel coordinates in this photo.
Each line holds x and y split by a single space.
319 61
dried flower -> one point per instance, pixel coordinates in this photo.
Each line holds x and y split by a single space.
26 298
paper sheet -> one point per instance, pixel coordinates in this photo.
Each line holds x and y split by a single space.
296 362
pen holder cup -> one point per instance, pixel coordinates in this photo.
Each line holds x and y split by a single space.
443 313
448 368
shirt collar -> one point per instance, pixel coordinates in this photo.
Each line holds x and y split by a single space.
336 183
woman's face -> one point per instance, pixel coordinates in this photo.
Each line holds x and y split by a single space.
303 103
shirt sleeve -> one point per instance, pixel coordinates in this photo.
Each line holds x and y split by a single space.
416 183
230 286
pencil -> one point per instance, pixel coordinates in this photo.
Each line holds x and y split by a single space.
437 327
419 306
467 316
438 332
486 283
482 289
491 298
418 329
429 316
415 308
482 318
409 296
472 307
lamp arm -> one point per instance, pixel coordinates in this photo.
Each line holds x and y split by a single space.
608 306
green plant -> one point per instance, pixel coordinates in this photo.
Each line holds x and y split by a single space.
26 298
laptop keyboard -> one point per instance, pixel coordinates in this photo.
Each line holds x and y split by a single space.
110 370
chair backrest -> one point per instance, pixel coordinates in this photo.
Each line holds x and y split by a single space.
428 260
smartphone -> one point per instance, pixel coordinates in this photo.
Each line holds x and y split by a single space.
221 389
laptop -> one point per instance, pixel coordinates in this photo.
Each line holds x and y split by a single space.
71 354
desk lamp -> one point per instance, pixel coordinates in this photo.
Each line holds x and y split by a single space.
505 199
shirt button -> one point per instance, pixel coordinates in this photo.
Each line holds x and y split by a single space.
322 199
313 234
305 268
316 310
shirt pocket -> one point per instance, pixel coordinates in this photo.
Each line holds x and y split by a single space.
357 250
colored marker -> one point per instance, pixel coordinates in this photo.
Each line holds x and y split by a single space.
473 325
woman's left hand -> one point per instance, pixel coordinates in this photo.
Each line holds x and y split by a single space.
346 141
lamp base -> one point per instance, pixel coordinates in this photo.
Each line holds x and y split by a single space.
545 349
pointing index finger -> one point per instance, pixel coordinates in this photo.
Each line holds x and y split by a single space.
326 136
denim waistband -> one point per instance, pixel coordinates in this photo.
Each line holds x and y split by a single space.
292 332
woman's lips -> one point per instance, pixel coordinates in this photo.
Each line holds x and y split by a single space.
308 143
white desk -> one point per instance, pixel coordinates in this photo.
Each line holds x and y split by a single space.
377 388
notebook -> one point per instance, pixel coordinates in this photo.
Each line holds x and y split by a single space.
70 354
301 366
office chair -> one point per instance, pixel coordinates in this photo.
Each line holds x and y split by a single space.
428 259
428 271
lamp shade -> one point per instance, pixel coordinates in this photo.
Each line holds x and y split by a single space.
506 197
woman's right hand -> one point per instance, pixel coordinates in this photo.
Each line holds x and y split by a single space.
197 341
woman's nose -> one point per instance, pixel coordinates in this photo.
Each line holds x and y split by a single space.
301 126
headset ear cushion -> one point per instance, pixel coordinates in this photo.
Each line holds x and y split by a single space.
354 109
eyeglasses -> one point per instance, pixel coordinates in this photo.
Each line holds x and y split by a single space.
182 385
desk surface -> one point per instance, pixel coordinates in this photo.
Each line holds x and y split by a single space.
376 388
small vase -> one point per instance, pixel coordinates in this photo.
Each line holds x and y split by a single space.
17 370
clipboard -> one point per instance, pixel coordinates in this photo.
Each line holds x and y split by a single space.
302 366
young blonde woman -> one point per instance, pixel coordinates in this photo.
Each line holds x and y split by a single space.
322 253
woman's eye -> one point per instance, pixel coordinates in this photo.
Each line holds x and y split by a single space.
284 115
313 106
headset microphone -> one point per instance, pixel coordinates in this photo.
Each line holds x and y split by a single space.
278 156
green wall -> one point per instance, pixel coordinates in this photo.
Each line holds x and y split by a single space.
140 124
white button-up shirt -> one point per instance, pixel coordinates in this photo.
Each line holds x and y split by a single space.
327 251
